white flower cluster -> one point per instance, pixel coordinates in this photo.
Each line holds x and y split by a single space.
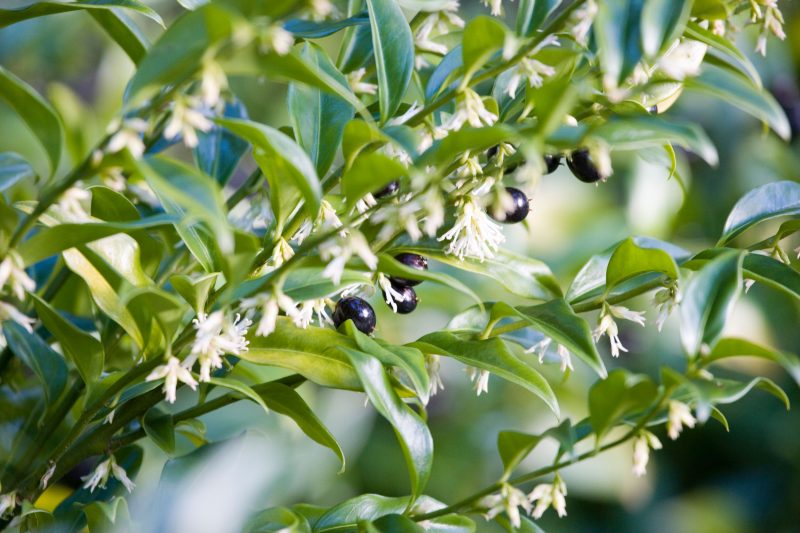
607 325
103 471
768 15
510 499
474 235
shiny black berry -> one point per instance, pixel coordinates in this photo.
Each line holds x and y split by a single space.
653 110
582 166
414 261
409 301
391 188
520 209
491 152
552 161
357 310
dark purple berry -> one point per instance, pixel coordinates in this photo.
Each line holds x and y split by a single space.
414 261
357 310
521 208
552 161
491 152
653 110
582 166
409 301
391 188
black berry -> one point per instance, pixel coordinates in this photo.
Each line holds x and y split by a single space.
520 208
552 161
653 109
391 188
414 261
491 152
409 301
582 166
357 310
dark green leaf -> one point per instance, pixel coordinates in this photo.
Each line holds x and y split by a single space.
393 523
532 13
41 9
780 198
278 520
48 365
364 507
158 425
369 173
237 386
662 22
391 267
617 29
309 29
728 348
219 151
444 71
120 27
772 273
629 261
445 151
393 46
483 37
724 49
620 394
194 290
13 169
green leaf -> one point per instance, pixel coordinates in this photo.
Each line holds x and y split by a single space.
772 273
37 114
524 276
514 446
85 352
318 117
389 266
364 507
532 13
445 151
618 33
13 169
741 93
620 394
309 29
709 393
729 348
446 70
662 22
557 320
493 355
370 172
359 134
151 306
41 9
158 425
286 401
51 240
725 50
124 31
393 523
279 158
311 352
48 365
780 198
241 388
708 299
194 290
393 45
483 37
108 516
307 283
412 433
629 261
642 131
279 520
178 53
218 151
410 360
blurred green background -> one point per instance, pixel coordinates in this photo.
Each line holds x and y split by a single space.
708 480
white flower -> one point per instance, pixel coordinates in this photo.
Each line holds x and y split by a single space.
581 21
665 300
366 203
328 220
13 275
281 253
432 365
51 468
474 234
797 251
390 294
212 82
99 477
548 494
679 415
185 120
440 23
128 135
566 360
433 204
216 335
471 168
340 250
401 216
321 9
8 502
355 79
480 379
113 178
496 6
641 451
470 109
271 304
543 345
607 325
71 204
276 39
530 69
9 312
310 309
683 59
771 20
172 373
509 500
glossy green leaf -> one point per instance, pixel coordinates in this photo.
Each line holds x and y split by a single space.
279 158
359 134
724 49
779 198
286 401
445 71
369 173
629 261
709 393
46 364
307 283
642 131
13 169
108 516
662 22
218 150
412 433
124 31
483 37
151 306
445 151
37 114
524 276
364 507
391 267
85 351
493 355
158 425
393 523
772 273
318 117
617 29
393 46
310 29
41 9
279 520
730 348
245 390
739 92
708 299
557 320
620 394
311 353
194 290
515 446
532 13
